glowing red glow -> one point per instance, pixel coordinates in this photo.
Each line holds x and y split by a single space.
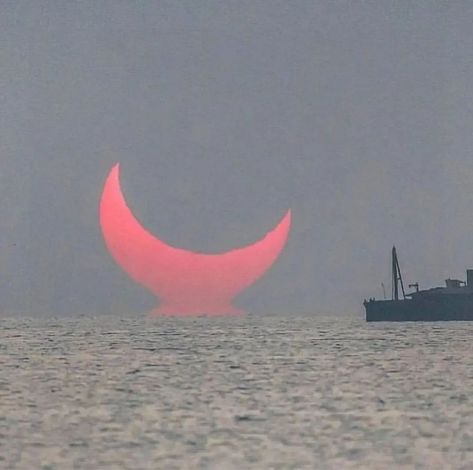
186 283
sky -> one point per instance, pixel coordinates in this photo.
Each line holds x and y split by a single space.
357 115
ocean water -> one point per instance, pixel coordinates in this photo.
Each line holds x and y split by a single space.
235 393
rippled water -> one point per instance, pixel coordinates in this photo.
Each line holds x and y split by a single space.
239 393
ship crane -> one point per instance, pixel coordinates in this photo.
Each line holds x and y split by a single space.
397 277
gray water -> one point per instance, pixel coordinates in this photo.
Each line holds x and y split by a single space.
236 393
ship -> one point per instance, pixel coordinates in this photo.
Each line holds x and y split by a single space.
453 302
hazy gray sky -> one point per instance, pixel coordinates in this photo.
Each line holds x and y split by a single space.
358 115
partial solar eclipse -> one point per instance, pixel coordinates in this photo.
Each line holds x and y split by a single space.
185 282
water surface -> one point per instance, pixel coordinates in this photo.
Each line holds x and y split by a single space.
234 393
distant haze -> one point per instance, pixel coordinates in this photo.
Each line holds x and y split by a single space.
357 115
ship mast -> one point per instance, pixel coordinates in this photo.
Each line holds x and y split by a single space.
397 277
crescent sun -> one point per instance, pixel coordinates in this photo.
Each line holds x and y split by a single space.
185 282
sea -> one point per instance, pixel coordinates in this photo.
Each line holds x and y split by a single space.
251 392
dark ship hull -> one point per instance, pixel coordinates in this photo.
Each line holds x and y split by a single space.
454 302
446 308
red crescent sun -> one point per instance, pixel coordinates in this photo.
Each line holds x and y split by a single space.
186 282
